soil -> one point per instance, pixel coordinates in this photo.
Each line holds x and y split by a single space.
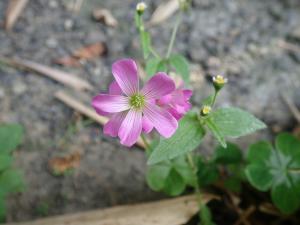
239 39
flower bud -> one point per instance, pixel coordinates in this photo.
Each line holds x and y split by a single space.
140 7
219 81
205 110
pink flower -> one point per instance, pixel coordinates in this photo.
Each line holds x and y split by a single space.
177 103
132 110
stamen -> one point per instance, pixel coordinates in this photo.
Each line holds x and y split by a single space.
137 101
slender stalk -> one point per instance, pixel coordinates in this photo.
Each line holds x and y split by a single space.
214 98
154 53
173 36
147 145
197 187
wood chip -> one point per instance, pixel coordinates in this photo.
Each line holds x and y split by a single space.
88 52
163 12
105 16
86 110
14 10
60 165
65 78
174 211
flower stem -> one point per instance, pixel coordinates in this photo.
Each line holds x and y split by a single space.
154 53
147 145
173 36
197 187
214 98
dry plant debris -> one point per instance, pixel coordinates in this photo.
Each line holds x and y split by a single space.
105 16
14 10
61 165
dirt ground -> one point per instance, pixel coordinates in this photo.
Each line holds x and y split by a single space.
249 41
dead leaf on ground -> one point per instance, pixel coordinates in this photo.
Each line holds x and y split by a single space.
60 165
65 78
14 10
85 53
105 16
163 12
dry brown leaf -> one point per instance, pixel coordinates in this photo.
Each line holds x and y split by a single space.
60 165
174 211
85 53
105 16
163 12
90 51
14 9
67 79
68 61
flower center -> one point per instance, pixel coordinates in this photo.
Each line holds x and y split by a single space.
137 101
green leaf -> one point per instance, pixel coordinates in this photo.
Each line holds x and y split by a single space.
286 198
229 155
234 122
10 137
288 145
181 66
174 184
152 66
146 43
259 177
157 174
216 132
187 137
207 173
162 66
181 165
5 161
10 181
259 152
278 170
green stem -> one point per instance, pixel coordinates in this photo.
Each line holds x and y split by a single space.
173 36
152 50
197 187
147 145
214 99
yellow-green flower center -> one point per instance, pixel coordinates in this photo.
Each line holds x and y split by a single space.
137 101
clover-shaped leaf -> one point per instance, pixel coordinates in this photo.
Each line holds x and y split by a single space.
277 170
170 176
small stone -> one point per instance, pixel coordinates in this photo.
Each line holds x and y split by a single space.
68 24
19 88
51 43
53 4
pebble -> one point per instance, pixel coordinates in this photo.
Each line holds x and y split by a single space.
51 43
68 24
53 4
19 88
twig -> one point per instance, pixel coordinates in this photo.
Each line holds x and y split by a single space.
58 75
86 110
244 216
291 106
14 10
174 211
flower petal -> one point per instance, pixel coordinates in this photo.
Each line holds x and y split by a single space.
114 89
158 85
113 125
125 73
187 93
131 128
110 103
162 120
147 125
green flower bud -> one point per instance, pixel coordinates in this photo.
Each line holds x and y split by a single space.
219 81
140 7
